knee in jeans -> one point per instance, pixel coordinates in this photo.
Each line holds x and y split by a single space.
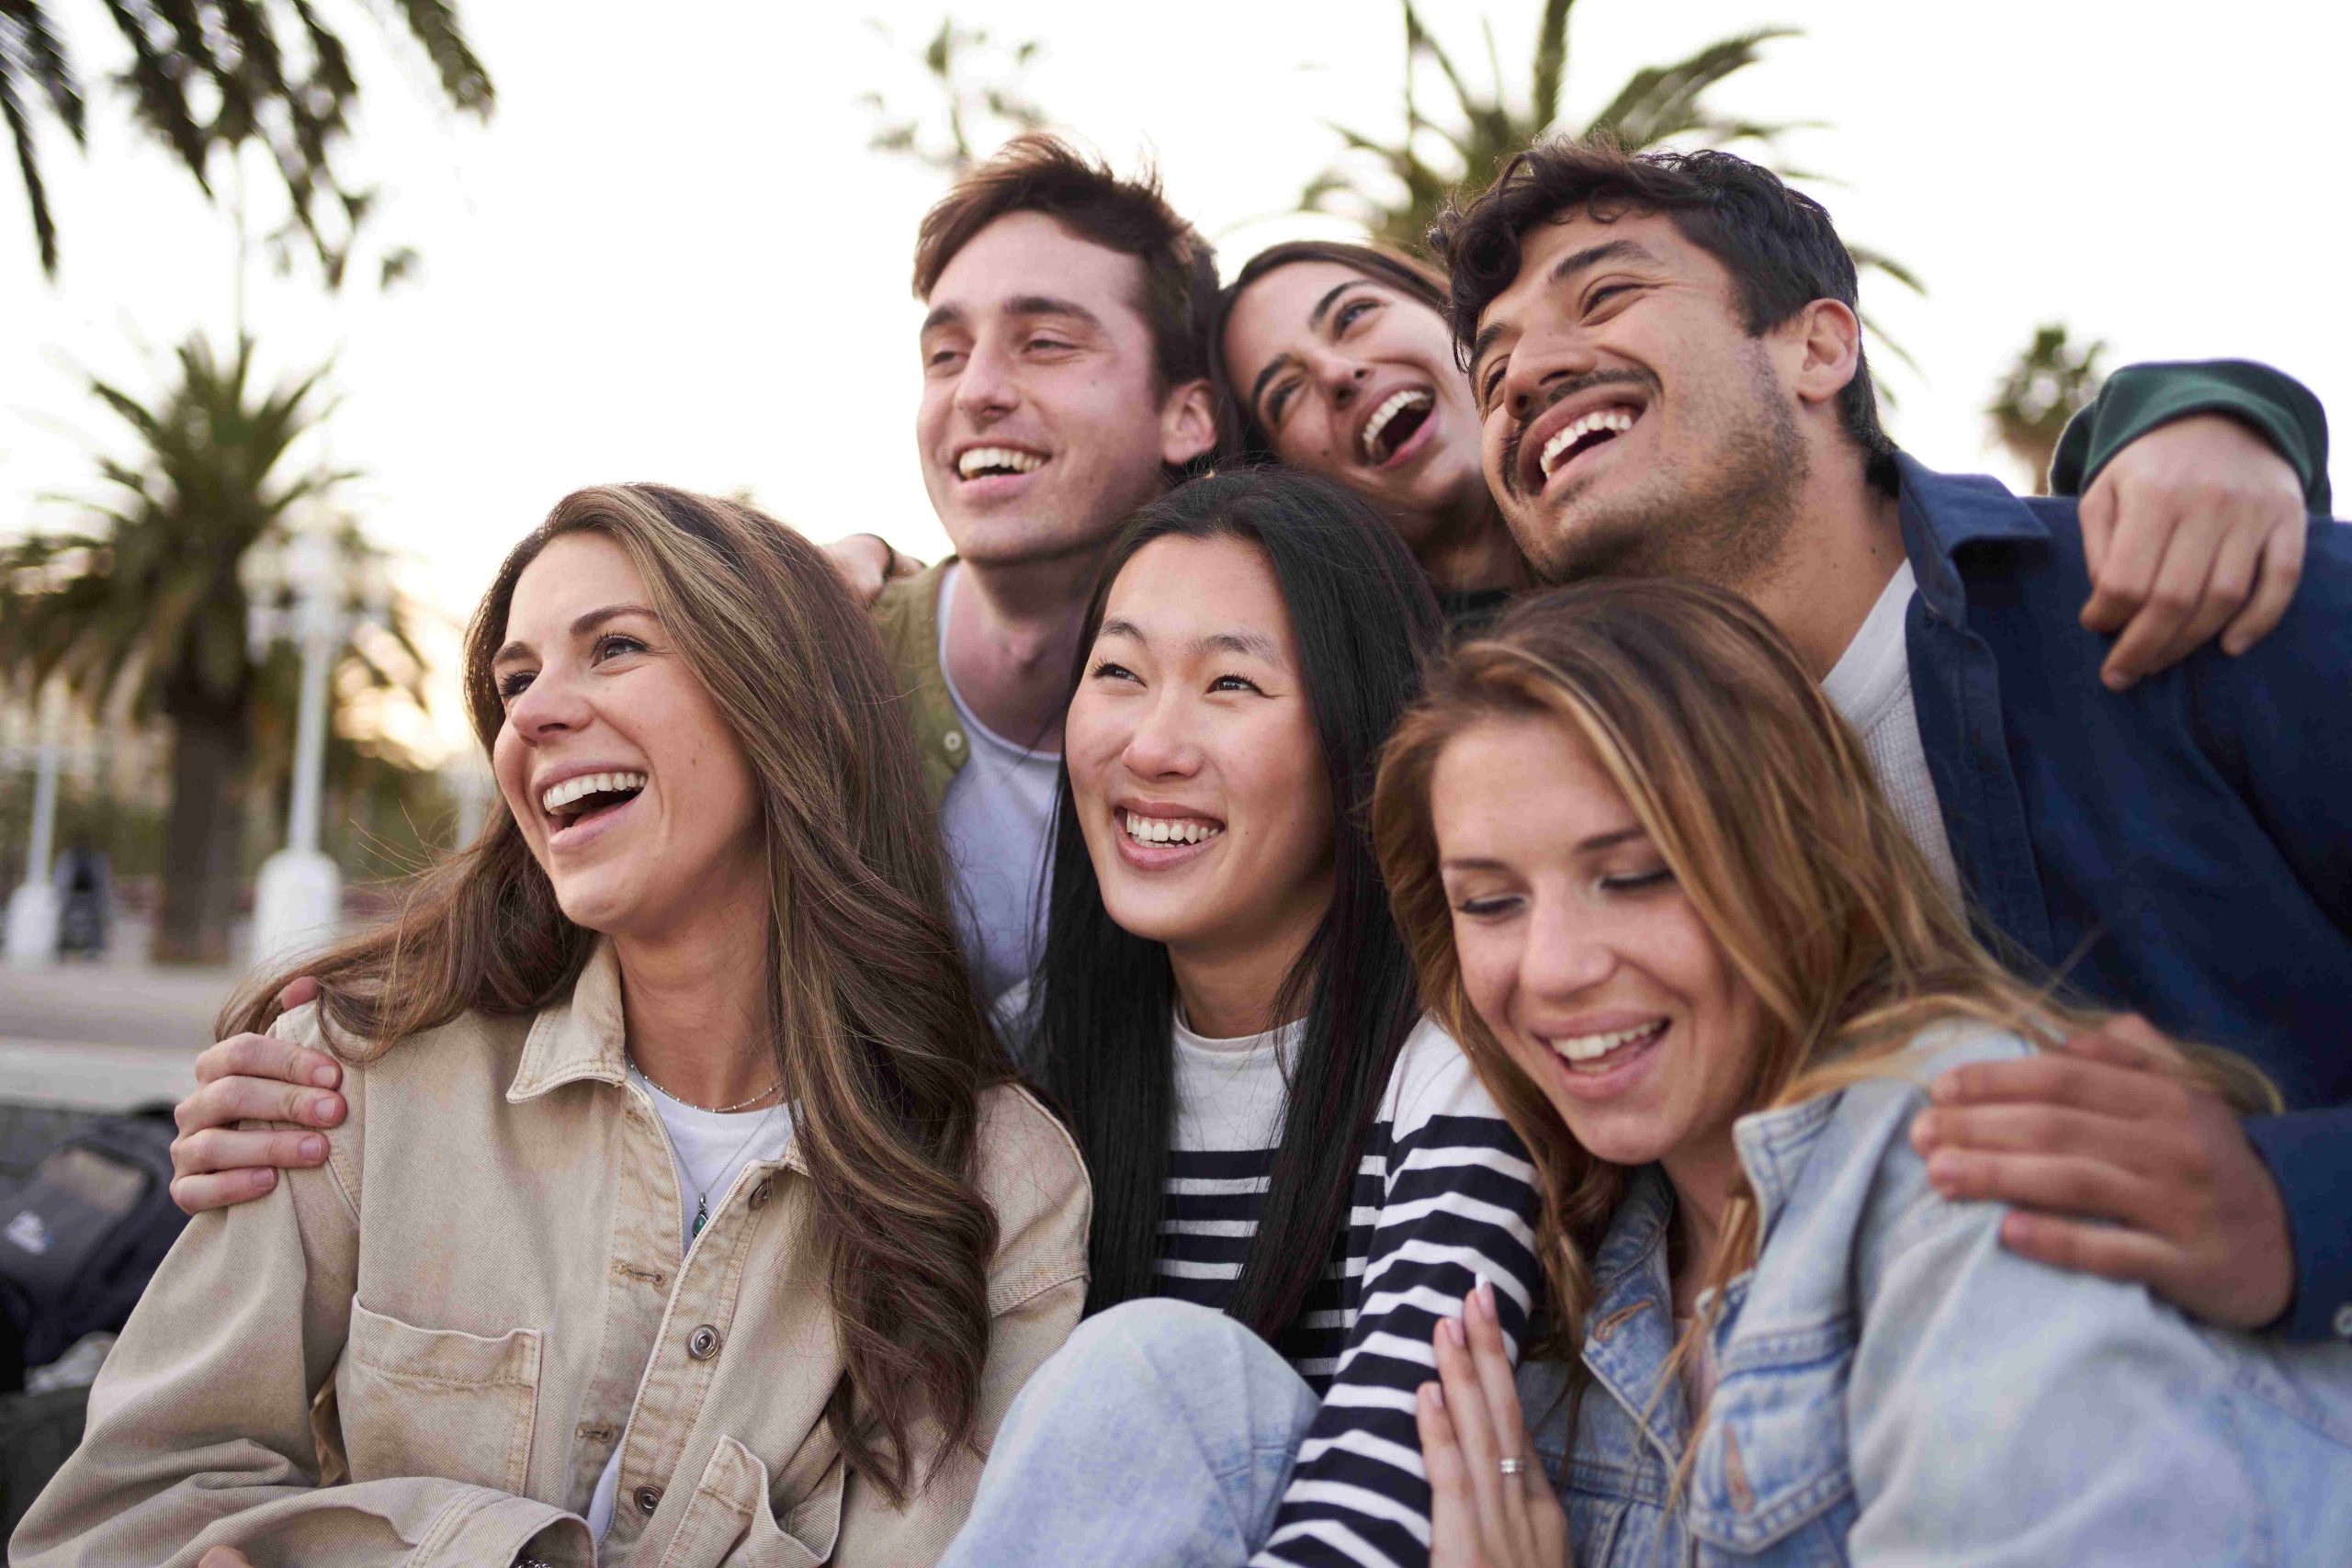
1165 1336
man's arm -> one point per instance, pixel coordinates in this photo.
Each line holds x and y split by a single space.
2195 479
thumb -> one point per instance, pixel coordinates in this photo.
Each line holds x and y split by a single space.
301 988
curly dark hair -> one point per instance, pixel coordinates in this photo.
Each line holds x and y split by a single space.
1779 245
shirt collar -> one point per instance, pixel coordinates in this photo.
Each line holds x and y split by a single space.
1944 513
1773 1146
584 1037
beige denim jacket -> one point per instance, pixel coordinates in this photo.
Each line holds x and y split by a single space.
454 1314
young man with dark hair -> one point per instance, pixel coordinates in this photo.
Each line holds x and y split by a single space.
2181 847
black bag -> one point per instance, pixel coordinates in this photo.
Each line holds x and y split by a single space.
80 1240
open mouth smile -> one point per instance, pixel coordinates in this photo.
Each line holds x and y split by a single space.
1601 1066
1389 429
978 463
1586 434
584 806
1156 841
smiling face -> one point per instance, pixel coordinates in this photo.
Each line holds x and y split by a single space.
629 788
1042 423
1578 949
1630 423
1193 761
1351 379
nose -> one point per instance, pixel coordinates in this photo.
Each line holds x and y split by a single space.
1341 376
1164 743
1539 363
1568 952
985 390
550 707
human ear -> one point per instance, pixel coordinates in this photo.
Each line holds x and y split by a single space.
1828 338
1187 422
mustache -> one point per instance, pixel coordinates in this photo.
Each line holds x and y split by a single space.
1553 397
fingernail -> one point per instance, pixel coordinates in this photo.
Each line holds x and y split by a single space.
2114 679
1923 1131
1943 1167
324 1078
1944 1091
322 1107
1436 1390
264 1179
314 1148
1454 1331
1486 1295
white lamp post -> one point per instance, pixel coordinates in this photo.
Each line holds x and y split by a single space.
33 907
298 900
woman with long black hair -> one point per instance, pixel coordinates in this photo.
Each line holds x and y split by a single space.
1227 1016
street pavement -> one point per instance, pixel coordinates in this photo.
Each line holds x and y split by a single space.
109 1035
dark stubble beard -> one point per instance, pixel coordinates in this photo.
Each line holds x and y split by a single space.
1730 520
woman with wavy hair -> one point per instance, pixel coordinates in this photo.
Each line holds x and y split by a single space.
684 1211
1651 885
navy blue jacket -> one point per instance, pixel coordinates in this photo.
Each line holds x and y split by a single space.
2183 849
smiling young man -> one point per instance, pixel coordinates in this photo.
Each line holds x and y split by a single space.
1065 379
1666 355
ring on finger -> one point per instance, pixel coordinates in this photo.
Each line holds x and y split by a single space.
1511 1466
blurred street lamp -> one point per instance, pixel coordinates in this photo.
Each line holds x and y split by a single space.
313 591
33 907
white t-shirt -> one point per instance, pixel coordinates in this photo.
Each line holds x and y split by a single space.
1872 686
998 820
708 1148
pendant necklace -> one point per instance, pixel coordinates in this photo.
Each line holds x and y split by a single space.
702 1199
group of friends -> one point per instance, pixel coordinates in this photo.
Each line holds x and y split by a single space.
1471 926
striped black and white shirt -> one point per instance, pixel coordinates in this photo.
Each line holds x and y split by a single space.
1443 1196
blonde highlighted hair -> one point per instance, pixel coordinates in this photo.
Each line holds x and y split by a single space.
875 1026
1759 799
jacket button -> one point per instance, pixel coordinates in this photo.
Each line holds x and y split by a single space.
647 1499
953 741
702 1343
760 1195
2344 1321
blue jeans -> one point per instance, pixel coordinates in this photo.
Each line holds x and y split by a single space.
1163 1433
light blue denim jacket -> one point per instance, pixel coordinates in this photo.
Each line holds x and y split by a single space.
1896 1387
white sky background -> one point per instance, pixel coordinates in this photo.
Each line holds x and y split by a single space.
669 255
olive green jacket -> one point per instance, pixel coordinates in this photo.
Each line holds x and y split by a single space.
906 615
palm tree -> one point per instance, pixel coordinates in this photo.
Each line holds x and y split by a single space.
980 92
146 602
1394 189
2052 378
211 73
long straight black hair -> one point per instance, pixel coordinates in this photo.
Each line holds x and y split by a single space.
1366 626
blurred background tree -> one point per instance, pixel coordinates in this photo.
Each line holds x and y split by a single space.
1394 186
978 84
2052 378
207 74
144 605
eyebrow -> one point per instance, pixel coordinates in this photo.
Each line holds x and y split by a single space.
1567 266
581 627
1314 319
1593 845
1257 645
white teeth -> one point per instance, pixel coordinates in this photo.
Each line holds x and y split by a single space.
1592 1047
980 459
1397 403
1159 831
556 797
1616 420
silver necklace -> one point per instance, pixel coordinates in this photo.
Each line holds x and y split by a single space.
702 1197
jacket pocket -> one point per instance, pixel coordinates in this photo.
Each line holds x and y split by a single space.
1771 1469
437 1402
731 1522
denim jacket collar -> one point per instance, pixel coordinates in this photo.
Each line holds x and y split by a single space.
583 1038
1631 1321
1944 513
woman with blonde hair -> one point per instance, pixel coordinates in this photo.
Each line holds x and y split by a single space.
686 1212
1651 886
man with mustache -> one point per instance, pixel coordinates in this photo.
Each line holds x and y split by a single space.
1667 359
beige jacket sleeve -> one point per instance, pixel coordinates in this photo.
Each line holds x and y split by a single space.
199 1428
1032 1174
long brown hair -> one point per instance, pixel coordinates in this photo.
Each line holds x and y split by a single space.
1759 799
876 1030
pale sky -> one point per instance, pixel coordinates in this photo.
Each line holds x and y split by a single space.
669 255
